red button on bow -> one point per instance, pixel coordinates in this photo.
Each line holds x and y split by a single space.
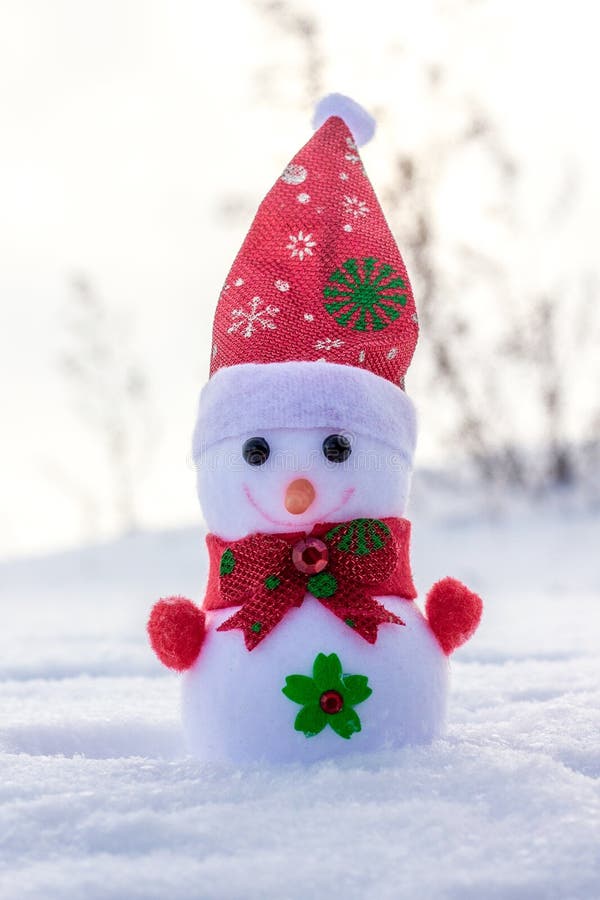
310 556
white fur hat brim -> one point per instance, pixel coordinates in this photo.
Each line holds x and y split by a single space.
244 399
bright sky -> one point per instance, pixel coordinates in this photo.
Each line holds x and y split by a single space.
123 123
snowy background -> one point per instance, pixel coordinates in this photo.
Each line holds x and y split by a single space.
137 139
99 799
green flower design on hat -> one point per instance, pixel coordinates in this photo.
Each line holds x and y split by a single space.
365 295
328 698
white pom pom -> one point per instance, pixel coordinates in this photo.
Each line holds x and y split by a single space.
361 124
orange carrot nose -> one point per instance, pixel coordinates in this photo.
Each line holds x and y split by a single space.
298 496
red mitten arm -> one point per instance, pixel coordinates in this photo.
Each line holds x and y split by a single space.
176 631
453 613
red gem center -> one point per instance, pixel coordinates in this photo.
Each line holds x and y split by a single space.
331 702
310 556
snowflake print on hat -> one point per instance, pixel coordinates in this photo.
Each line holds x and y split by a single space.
329 344
301 245
248 320
294 174
369 296
352 154
355 207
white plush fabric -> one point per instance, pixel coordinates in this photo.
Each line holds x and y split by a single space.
359 121
238 499
233 707
247 398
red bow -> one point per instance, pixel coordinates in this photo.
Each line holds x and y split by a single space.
343 565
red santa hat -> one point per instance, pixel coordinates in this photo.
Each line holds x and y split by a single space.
316 323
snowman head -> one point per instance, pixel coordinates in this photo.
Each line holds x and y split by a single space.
282 447
305 418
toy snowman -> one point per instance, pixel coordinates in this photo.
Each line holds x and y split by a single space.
309 643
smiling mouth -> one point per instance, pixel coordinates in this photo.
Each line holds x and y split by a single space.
324 517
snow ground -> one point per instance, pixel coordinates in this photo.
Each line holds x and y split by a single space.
98 799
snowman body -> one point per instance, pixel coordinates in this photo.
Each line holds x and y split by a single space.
233 704
234 708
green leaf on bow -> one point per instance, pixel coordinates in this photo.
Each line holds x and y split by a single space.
227 562
360 536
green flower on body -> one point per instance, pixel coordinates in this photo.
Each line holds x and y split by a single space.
328 698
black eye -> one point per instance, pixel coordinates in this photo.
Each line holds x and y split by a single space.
337 448
256 451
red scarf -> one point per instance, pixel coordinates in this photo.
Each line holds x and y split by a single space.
344 565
